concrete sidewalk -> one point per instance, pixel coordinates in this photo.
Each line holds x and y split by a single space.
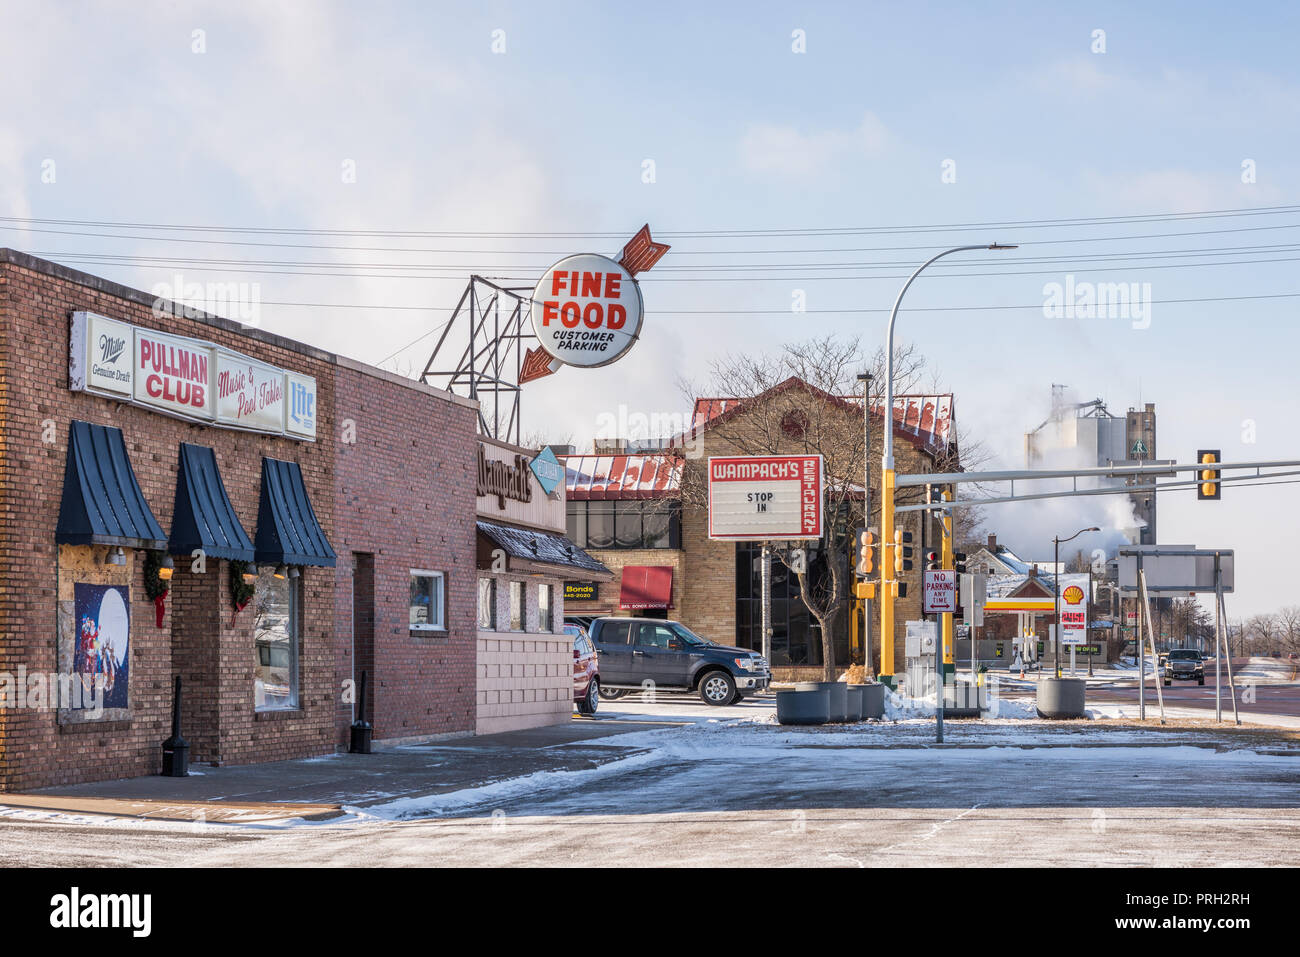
316 788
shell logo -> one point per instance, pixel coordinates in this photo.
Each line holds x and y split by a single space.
1073 595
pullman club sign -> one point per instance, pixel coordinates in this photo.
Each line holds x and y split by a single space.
504 479
188 378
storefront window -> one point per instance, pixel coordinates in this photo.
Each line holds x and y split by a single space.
487 604
625 524
427 601
600 524
276 631
516 606
545 620
577 523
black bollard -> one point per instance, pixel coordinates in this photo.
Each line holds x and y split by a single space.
176 751
361 730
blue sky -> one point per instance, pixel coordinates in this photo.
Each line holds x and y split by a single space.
552 135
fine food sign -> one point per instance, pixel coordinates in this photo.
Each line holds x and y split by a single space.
188 378
587 310
765 497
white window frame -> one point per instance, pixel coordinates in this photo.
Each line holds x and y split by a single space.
441 624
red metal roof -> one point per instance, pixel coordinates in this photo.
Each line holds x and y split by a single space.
598 477
926 420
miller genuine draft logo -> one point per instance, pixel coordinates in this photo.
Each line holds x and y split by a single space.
503 479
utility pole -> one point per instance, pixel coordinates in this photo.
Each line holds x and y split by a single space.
888 478
865 378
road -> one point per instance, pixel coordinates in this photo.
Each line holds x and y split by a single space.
1281 699
708 792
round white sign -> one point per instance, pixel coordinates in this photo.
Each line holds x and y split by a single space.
587 310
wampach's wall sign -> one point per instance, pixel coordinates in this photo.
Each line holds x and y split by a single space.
503 479
189 378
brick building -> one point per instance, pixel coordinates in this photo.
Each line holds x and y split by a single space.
644 512
139 438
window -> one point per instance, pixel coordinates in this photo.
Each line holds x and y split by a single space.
600 524
615 632
545 620
654 636
516 606
427 601
626 524
275 635
487 604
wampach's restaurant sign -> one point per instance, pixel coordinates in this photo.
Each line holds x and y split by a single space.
503 479
188 378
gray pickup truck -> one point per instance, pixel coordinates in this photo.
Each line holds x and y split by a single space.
636 653
1184 664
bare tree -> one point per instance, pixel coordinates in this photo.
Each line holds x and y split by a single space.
817 411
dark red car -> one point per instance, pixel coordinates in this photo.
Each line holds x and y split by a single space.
586 670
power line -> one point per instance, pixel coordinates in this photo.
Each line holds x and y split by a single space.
677 251
784 312
795 231
459 270
528 281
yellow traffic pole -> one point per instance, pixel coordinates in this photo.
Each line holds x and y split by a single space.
948 562
888 586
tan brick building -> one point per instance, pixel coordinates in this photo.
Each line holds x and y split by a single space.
714 584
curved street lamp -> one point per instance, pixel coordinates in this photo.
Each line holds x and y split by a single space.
1056 587
886 673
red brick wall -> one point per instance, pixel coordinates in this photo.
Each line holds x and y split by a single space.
405 493
408 479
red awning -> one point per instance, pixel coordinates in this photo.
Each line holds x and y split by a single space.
646 586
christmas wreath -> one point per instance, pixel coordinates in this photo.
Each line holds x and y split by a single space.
241 593
154 586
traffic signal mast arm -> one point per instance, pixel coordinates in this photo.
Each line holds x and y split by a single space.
1291 467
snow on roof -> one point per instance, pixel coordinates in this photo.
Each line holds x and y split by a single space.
600 477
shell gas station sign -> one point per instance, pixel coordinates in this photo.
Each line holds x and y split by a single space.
1074 617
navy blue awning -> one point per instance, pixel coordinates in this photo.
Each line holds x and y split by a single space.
287 530
203 517
102 503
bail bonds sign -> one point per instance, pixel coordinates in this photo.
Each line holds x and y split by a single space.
765 497
188 378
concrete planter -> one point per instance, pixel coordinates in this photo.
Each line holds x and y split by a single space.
839 696
803 707
873 701
1061 697
855 702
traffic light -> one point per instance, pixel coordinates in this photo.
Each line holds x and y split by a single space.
865 548
959 562
933 561
1209 484
902 551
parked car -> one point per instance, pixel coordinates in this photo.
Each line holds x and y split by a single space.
1184 664
634 651
586 670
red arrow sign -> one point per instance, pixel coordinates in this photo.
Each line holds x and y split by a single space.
642 252
537 365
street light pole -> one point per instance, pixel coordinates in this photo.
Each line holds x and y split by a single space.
888 585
